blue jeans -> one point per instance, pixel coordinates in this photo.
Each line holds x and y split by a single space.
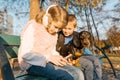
56 73
91 67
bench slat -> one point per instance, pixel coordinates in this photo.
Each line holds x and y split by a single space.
9 39
11 51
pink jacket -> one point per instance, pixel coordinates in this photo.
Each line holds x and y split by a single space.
36 45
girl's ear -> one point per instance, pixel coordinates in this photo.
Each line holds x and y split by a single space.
46 16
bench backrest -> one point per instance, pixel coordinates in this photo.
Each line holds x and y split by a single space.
8 49
11 44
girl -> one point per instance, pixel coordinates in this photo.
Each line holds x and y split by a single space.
37 53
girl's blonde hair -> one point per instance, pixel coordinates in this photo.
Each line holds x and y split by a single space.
72 19
53 14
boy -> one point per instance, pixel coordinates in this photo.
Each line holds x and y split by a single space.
69 36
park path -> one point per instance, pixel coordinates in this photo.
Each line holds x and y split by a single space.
107 71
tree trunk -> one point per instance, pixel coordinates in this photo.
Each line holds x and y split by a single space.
34 8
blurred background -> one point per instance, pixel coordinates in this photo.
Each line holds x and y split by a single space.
100 17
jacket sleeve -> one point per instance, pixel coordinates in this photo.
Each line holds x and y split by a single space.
87 51
35 59
76 39
28 53
60 41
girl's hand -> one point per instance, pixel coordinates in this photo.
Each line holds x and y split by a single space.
57 60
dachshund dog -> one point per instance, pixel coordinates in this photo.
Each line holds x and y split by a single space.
84 39
76 48
69 52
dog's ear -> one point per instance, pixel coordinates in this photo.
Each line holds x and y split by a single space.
66 50
76 40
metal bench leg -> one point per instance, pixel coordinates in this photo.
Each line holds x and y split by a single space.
108 61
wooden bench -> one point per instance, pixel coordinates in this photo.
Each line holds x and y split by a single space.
9 45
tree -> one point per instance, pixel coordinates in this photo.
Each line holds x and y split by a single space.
113 35
34 8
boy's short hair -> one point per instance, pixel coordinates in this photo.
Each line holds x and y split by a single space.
72 19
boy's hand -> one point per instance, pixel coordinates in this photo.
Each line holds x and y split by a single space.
74 62
68 57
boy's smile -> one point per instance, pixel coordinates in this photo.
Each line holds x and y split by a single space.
69 29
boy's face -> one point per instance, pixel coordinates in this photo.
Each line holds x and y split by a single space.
69 29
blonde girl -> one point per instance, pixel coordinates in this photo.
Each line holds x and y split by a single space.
37 53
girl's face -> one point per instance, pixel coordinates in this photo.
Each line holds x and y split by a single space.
69 29
54 28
